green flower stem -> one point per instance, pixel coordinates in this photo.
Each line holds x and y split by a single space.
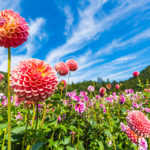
9 100
137 142
33 118
27 122
61 92
4 139
149 142
44 114
67 83
78 140
94 87
37 115
114 144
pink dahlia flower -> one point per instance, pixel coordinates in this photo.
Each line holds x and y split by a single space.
108 86
139 123
1 77
80 107
135 73
13 29
117 86
90 88
33 80
102 90
62 68
73 66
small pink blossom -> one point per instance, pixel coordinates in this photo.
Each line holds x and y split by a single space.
80 107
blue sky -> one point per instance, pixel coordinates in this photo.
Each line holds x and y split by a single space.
108 38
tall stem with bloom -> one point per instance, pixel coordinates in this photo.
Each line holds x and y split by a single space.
67 83
9 100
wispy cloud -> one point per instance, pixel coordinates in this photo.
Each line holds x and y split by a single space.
89 26
116 44
36 35
69 19
8 4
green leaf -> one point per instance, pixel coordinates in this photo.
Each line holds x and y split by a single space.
108 134
70 148
101 146
65 141
37 146
18 129
4 125
80 146
62 127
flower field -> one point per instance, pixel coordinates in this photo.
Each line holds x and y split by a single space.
38 113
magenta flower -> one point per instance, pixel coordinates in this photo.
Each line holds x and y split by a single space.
80 107
135 105
59 118
122 100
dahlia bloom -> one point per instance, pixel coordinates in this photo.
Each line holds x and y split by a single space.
1 77
117 86
135 105
80 107
62 68
133 137
108 86
90 88
73 66
63 84
135 73
33 80
138 123
123 127
13 29
122 100
102 90
109 99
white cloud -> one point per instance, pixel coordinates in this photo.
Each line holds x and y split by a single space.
8 4
36 35
69 19
89 26
118 43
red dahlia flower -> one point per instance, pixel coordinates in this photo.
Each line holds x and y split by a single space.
139 123
33 80
73 66
1 77
135 73
117 86
102 90
62 68
13 29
